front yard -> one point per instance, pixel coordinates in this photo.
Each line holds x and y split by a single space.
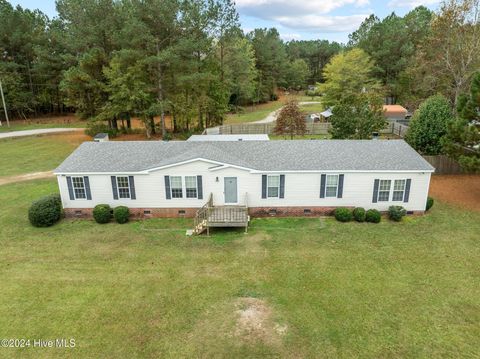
289 288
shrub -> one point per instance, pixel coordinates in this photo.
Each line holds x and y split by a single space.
343 214
396 213
430 202
102 213
45 211
121 214
373 216
359 214
99 127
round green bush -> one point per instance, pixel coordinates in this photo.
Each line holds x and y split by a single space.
359 214
430 202
102 213
396 213
45 211
121 214
343 214
373 216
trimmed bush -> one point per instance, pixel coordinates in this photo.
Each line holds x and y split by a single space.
373 216
102 213
45 211
121 214
99 127
430 202
343 214
396 213
359 214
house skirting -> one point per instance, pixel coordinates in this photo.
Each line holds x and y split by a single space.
141 213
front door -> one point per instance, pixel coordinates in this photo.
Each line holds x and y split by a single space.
231 190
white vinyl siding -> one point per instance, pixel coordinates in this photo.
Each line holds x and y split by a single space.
273 186
331 188
302 189
191 186
123 187
79 188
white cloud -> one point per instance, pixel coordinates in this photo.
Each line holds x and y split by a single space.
289 37
306 15
411 3
322 23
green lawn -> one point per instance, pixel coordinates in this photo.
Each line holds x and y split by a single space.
330 290
313 108
33 154
20 127
254 113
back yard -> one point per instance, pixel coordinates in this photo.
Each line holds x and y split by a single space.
289 288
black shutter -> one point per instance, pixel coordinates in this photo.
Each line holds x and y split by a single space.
323 179
114 187
131 182
70 188
282 186
407 190
264 186
340 186
168 195
375 190
86 182
199 187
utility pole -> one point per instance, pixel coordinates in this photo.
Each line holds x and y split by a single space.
4 106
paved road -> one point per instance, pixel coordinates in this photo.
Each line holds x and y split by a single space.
40 131
272 116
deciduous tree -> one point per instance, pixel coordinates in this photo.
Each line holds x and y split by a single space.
290 120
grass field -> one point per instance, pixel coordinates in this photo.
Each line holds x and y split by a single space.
32 154
20 125
289 288
254 113
312 108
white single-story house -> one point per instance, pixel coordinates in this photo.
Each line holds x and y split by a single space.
284 178
239 137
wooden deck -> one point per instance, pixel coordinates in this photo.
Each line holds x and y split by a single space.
220 216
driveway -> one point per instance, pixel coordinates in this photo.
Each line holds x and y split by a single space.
40 131
272 116
25 177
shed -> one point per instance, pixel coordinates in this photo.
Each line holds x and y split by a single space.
395 112
101 137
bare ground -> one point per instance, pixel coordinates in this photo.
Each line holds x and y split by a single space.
460 190
25 177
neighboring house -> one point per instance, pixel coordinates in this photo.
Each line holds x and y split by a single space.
395 113
285 178
228 138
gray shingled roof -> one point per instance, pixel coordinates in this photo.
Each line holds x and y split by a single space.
316 155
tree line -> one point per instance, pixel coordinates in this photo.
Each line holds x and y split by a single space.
110 60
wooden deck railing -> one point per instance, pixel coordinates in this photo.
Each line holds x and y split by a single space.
220 216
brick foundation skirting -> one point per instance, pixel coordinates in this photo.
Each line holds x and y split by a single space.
140 213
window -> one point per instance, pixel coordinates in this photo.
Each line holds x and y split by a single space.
273 186
191 186
79 188
331 186
176 186
123 187
384 190
398 190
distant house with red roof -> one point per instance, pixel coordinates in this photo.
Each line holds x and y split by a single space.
395 112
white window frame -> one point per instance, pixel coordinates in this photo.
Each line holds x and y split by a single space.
196 187
82 188
123 187
402 191
181 187
268 186
380 190
336 187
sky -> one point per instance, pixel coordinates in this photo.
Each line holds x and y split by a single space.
298 19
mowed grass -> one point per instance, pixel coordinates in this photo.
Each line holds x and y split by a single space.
254 113
144 289
36 153
15 126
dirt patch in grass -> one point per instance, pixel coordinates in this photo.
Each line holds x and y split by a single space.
255 323
25 177
461 190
